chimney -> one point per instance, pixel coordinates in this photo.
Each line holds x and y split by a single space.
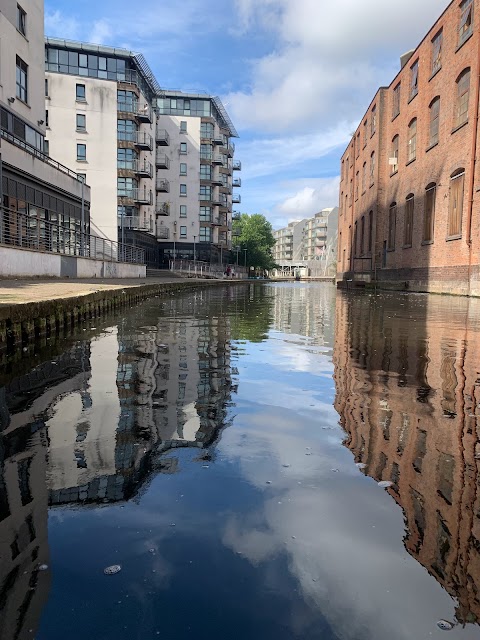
405 58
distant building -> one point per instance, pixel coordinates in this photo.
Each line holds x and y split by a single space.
409 200
288 241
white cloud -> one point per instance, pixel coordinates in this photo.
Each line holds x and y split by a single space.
325 54
102 32
58 25
304 203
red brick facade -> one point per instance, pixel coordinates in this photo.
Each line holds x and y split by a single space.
416 224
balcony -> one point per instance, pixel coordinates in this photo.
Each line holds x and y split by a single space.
236 215
162 209
216 221
144 113
162 137
162 161
206 156
163 233
219 139
136 223
216 200
217 180
143 168
143 140
237 165
142 196
218 160
236 199
237 182
162 185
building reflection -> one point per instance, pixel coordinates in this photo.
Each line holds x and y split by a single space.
408 395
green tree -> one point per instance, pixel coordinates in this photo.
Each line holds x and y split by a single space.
254 233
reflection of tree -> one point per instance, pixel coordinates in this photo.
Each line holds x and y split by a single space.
253 313
407 393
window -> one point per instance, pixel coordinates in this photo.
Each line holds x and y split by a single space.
396 101
82 152
126 130
46 147
351 191
434 121
362 236
205 172
183 189
365 136
355 239
372 168
183 211
47 121
183 168
394 156
125 186
126 158
183 148
392 221
408 228
183 232
373 120
21 20
463 95
414 80
370 231
82 177
21 80
183 126
46 87
466 20
358 144
412 141
205 214
81 122
357 180
206 151
205 234
455 205
80 93
437 52
205 192
364 177
428 222
206 130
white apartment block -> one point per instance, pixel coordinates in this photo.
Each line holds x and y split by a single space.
288 245
101 123
35 189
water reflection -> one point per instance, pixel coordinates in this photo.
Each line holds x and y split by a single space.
408 394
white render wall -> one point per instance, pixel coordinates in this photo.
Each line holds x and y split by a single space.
31 50
100 109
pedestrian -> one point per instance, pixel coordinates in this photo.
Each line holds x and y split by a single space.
229 271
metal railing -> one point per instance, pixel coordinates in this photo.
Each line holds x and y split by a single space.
162 161
162 137
162 209
197 268
237 165
27 232
163 233
18 142
135 222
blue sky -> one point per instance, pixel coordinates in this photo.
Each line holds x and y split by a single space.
295 75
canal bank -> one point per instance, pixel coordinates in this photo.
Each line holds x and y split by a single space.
33 308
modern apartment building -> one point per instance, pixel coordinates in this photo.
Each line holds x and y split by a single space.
289 241
409 201
195 186
101 123
38 195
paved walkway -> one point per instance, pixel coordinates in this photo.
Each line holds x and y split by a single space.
19 291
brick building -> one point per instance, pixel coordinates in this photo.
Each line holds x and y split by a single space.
410 186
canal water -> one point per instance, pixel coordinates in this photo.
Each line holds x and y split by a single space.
222 451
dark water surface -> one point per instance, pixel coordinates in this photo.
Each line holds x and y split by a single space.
225 449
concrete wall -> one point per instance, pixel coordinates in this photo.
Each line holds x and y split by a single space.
26 263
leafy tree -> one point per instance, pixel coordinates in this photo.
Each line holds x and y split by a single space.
255 235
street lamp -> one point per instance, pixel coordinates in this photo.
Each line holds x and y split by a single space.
194 252
174 249
245 257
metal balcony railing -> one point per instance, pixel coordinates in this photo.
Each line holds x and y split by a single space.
219 160
163 233
236 199
143 140
162 209
236 215
237 165
135 222
162 161
162 185
237 182
142 196
206 155
26 232
162 137
143 168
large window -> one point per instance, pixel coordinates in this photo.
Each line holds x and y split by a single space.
465 28
125 186
370 231
365 134
186 107
205 234
429 219
396 101
78 63
206 130
21 20
205 214
206 151
414 79
126 158
82 152
205 172
126 101
463 95
22 80
434 121
412 141
408 228
455 206
437 51
205 192
392 223
394 155
362 236
126 130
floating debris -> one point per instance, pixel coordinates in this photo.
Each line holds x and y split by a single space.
285 465
151 550
334 470
205 466
112 570
445 625
361 465
42 567
385 484
268 482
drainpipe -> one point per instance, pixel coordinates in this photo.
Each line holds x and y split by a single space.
473 153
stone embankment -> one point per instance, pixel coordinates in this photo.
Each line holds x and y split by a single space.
30 309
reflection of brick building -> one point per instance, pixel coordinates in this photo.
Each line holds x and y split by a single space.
409 207
408 395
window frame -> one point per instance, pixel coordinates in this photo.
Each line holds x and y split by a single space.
395 152
412 141
434 122
373 120
21 80
413 80
463 89
396 100
455 213
183 168
408 221
79 98
183 211
429 214
392 225
466 16
183 231
80 157
183 148
372 168
183 126
437 42
183 190
77 126
21 20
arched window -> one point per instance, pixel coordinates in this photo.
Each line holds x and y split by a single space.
429 217
392 223
434 121
408 227
455 204
412 141
364 177
372 168
463 95
357 180
362 236
394 155
465 26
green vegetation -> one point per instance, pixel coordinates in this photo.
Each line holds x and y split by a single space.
254 233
